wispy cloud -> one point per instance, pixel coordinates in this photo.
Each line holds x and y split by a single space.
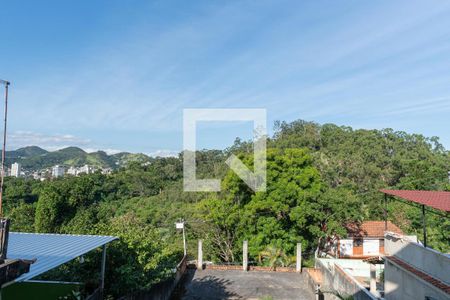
163 153
19 139
52 142
307 60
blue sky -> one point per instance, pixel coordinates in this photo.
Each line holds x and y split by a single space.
116 75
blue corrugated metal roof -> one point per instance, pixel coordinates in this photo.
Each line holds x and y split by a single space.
51 250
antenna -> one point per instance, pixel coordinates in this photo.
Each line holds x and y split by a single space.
2 175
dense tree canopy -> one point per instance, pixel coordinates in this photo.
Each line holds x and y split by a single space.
319 177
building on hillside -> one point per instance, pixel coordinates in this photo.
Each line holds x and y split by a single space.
58 171
106 171
86 169
365 239
76 171
16 169
72 171
362 240
36 175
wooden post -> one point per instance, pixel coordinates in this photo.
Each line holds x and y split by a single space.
373 278
299 258
245 256
200 256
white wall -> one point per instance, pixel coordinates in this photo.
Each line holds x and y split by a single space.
356 267
428 260
400 284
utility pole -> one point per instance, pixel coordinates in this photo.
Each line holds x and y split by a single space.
4 223
2 175
181 225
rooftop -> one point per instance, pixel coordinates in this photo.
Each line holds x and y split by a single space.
371 229
51 250
435 199
422 275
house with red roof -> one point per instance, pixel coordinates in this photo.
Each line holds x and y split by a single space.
364 239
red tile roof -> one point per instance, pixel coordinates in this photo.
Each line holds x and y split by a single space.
437 200
371 229
436 282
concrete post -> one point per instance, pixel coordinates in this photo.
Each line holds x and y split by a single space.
245 256
200 255
373 279
299 258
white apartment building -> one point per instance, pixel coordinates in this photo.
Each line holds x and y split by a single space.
87 169
72 171
58 171
15 169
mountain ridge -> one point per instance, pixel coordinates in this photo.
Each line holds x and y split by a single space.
35 158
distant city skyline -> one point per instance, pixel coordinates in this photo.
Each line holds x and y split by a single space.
107 76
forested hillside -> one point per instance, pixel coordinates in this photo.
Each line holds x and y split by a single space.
319 177
33 158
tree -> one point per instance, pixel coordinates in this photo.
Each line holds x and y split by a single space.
52 208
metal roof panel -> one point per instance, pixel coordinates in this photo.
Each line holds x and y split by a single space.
51 250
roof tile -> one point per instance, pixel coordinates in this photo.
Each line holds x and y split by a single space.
371 229
434 199
437 283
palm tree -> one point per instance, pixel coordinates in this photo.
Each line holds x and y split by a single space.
275 257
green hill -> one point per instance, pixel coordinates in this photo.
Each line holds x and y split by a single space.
35 158
25 152
123 158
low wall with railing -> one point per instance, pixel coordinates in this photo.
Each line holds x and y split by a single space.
335 279
428 260
250 268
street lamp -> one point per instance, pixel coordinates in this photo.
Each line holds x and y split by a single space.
180 225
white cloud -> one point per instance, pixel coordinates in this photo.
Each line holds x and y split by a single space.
163 153
108 151
19 139
53 142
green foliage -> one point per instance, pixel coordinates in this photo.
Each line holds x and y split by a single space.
296 207
361 162
141 257
319 177
274 257
51 208
23 215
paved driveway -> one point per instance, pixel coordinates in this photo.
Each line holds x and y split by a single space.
228 284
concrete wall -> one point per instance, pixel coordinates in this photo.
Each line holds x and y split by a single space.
400 284
428 260
337 279
356 267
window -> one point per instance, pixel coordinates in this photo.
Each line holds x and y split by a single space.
357 243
